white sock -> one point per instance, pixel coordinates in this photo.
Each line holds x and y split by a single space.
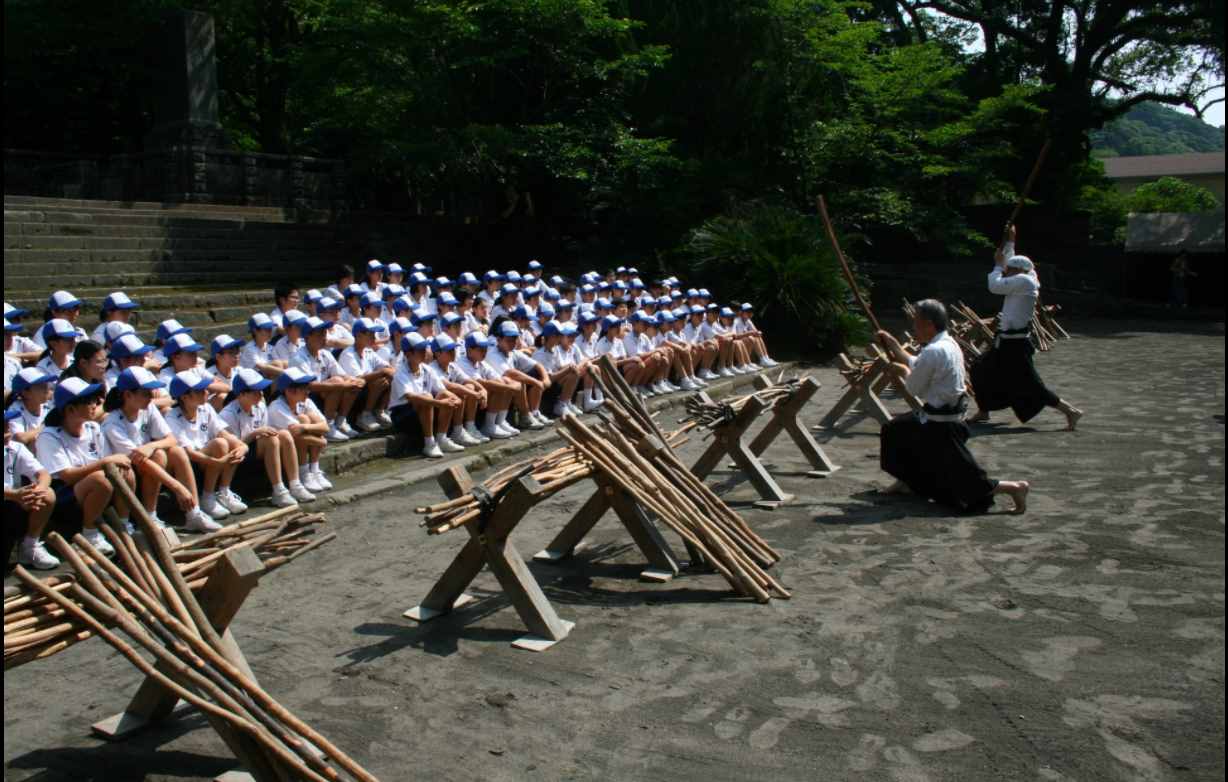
492 420
297 483
457 432
429 441
501 417
303 471
29 541
209 496
279 487
315 468
223 489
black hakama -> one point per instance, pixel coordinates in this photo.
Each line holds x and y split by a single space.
933 460
1006 376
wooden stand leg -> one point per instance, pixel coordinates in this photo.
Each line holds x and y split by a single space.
785 419
231 581
729 439
846 402
571 538
870 402
491 547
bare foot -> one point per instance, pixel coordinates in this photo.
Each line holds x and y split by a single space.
896 489
1072 419
1019 495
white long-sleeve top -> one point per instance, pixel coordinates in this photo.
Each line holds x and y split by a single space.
1021 292
937 377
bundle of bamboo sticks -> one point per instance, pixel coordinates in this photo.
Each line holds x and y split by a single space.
630 449
36 628
712 415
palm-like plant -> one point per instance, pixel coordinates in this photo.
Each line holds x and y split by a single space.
777 258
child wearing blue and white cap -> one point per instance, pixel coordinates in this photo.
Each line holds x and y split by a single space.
23 348
247 417
30 400
394 274
563 373
166 329
64 306
286 348
210 445
293 411
59 338
134 427
471 364
257 354
419 395
491 281
745 327
704 348
677 352
12 364
510 362
473 397
73 449
29 505
362 361
351 298
116 308
127 351
337 391
373 277
338 337
223 363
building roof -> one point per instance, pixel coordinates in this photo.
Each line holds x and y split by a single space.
1166 233
1156 166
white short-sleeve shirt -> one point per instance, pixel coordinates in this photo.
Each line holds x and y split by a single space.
502 362
11 367
421 383
282 417
27 421
285 349
123 435
19 463
240 422
252 356
58 450
322 364
479 371
355 364
195 435
551 359
615 349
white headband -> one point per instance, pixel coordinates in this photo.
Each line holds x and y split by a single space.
1021 262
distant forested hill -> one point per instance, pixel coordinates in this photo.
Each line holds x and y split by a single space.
1154 129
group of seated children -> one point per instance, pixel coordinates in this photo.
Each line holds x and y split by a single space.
450 360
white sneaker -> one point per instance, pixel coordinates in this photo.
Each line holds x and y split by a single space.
129 527
37 556
367 422
592 404
561 409
299 491
383 418
198 521
432 452
212 507
322 480
466 439
542 418
768 362
344 427
282 498
308 481
233 502
473 431
335 435
533 424
708 374
496 433
507 427
689 385
574 410
447 446
727 372
671 388
647 392
95 539
753 367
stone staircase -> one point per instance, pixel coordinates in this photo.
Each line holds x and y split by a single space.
208 266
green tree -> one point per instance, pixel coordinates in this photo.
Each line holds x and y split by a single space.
1169 194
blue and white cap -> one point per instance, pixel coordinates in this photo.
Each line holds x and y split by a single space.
419 278
169 328
513 276
665 317
394 268
31 376
569 329
414 342
328 304
509 329
478 340
58 328
225 342
552 329
368 326
74 389
260 321
130 346
698 309
727 313
372 299
565 304
119 301
249 380
610 322
714 308
447 299
605 304
374 265
400 326
180 343
443 282
443 344
492 276
587 318
535 266
313 296
187 381
422 316
468 278
352 291
295 376
748 307
11 327
134 378
403 304
451 319
63 300
114 330
420 267
532 292
296 319
521 312
546 311
508 289
315 324
394 290
12 313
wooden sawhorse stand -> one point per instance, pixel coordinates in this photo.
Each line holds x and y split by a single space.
230 582
662 564
489 545
730 439
866 393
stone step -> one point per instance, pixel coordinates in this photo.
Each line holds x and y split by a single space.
43 202
185 230
230 241
76 214
125 280
40 257
158 298
31 275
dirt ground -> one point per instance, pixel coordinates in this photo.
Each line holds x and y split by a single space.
1084 641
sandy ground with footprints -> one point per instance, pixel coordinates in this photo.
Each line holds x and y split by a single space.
1084 641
